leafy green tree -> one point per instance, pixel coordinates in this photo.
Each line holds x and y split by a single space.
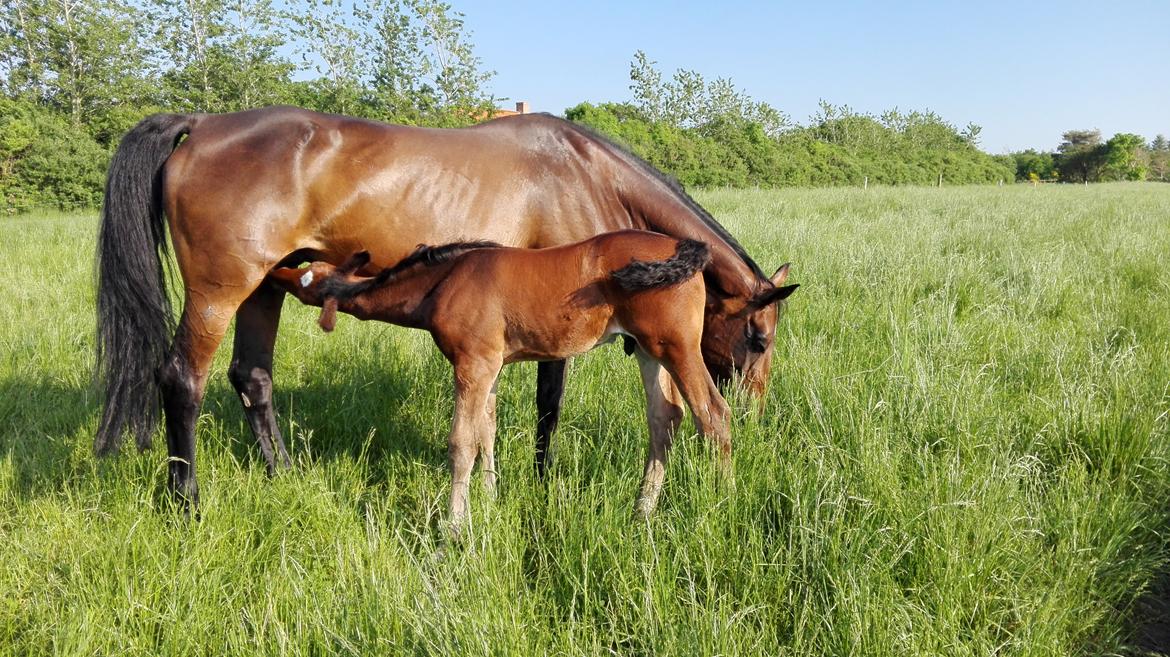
45 161
1159 159
84 57
253 35
688 101
1125 158
1081 156
1034 166
734 152
220 55
332 39
646 83
424 66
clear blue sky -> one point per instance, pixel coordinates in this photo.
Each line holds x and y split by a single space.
1025 71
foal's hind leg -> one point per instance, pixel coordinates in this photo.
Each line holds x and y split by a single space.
251 370
663 414
487 442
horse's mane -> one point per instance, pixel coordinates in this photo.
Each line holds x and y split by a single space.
423 255
672 184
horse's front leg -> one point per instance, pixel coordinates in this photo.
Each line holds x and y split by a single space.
474 377
251 370
550 390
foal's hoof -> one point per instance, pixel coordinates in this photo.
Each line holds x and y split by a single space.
643 510
440 554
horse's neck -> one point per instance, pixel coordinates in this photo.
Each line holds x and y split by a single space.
662 210
400 300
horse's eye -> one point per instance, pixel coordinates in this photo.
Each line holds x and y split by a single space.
756 341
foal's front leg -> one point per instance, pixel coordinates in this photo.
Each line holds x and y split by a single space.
711 412
473 386
663 415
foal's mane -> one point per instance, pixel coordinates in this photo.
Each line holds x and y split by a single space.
423 255
674 187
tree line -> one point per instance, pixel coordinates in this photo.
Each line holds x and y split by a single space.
76 74
1083 158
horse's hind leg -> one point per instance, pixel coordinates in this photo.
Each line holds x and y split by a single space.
251 370
550 390
182 379
663 414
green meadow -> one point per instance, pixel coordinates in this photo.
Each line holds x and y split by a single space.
964 451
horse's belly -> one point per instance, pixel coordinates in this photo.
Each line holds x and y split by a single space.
559 340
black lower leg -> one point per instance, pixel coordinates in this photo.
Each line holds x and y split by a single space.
181 398
550 389
254 385
251 371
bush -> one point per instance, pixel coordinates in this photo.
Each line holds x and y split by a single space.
45 162
839 151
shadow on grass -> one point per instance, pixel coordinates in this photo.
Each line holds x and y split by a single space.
43 420
378 410
1151 617
383 412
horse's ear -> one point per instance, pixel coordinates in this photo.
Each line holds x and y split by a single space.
769 297
781 275
328 318
355 262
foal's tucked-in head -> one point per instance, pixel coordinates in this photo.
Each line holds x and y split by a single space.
312 285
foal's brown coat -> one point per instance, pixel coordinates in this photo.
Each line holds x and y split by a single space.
491 306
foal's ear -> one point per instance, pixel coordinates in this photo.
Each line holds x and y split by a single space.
769 297
355 262
286 277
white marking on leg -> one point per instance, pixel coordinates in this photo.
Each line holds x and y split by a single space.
306 279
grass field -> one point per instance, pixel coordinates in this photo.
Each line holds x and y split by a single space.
964 452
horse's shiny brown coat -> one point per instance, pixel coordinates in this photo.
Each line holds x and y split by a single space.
246 191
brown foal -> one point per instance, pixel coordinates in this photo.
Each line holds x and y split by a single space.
487 305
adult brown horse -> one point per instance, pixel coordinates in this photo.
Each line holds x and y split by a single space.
247 191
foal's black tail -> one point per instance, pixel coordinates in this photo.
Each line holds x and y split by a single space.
134 319
690 257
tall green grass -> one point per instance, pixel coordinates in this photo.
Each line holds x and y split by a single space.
964 452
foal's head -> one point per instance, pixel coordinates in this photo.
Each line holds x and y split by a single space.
738 335
315 285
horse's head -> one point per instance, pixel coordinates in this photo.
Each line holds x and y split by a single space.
312 285
739 333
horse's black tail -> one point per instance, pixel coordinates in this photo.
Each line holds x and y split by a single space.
134 318
690 257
